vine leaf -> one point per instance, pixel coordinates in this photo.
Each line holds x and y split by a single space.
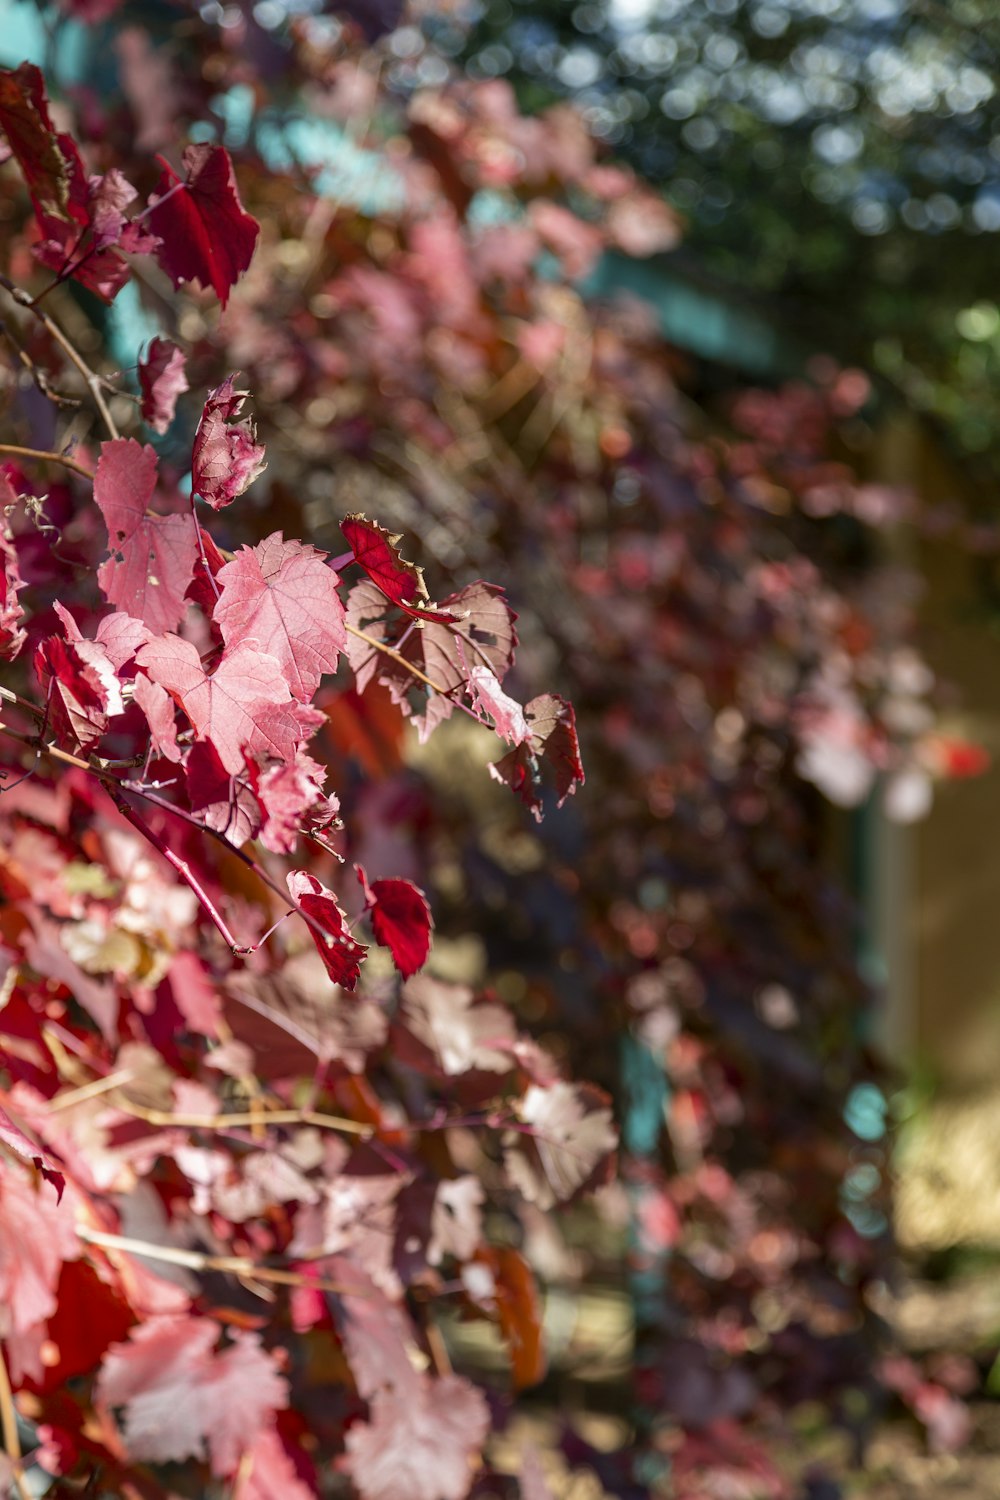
152 556
401 920
340 953
206 234
226 458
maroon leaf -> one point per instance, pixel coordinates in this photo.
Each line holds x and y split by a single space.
15 1140
152 557
49 161
400 581
571 1139
284 596
222 802
206 234
339 951
226 456
181 1397
419 1442
552 743
401 920
161 381
234 706
481 633
81 687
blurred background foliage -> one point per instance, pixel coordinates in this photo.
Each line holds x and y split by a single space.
837 159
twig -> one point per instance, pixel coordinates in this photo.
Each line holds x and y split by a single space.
92 381
8 1426
196 1260
48 457
163 1118
397 657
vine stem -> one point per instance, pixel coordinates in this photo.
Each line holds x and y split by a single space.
43 454
8 1426
197 1260
91 380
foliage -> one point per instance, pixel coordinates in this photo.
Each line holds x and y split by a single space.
281 1160
826 154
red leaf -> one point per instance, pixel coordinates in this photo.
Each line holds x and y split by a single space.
419 1442
161 381
285 596
401 920
519 1313
488 697
152 557
234 707
15 1140
220 801
12 634
226 458
553 743
340 953
290 795
480 632
181 1396
81 686
49 161
400 581
206 234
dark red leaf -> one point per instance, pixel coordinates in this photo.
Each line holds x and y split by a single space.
400 581
49 161
152 557
161 381
206 234
339 951
222 802
401 920
226 456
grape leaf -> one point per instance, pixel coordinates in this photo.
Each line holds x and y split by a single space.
459 1033
182 1397
481 632
81 687
290 795
230 707
152 557
488 697
15 1140
36 1236
206 234
419 1442
158 707
222 802
552 743
47 160
340 953
572 1139
400 581
401 920
284 595
226 457
161 381
12 633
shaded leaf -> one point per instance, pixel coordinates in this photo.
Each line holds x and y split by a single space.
161 381
571 1141
552 744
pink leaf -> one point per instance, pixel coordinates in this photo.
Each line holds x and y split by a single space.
401 920
182 1397
36 1236
158 706
12 634
284 595
419 1444
206 234
340 953
15 1140
152 557
230 708
488 697
226 458
161 381
290 795
571 1139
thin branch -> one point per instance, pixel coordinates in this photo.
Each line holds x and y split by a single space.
397 657
43 454
163 1118
8 1426
93 382
196 1260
